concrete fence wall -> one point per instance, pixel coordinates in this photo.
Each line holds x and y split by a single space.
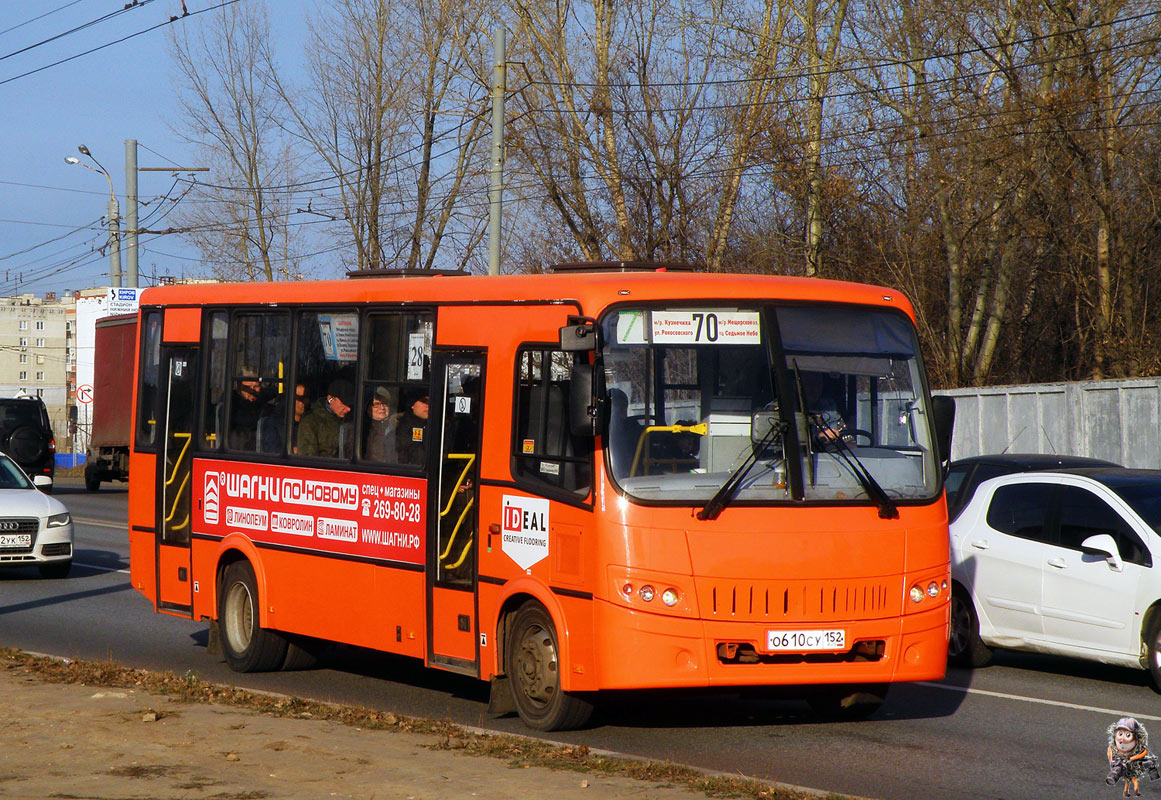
1118 420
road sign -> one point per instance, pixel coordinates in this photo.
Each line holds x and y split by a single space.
85 394
122 300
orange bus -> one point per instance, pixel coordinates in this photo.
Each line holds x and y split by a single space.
608 477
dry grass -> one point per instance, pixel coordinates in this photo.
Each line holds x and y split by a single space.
518 751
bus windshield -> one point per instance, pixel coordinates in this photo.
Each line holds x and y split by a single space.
827 402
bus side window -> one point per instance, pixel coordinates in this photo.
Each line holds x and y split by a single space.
324 363
543 450
257 386
397 368
214 409
150 367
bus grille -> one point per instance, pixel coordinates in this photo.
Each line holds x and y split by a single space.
799 601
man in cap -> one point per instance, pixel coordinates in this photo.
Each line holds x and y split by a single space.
325 430
248 405
410 431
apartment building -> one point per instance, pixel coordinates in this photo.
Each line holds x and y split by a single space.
36 353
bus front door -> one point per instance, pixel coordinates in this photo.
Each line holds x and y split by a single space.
174 480
454 462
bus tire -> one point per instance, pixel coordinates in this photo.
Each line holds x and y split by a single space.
247 646
847 702
533 668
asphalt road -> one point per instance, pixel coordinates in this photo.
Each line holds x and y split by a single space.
1028 726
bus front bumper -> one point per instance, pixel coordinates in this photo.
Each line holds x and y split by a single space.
639 650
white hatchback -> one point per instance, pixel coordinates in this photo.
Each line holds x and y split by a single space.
1065 562
35 529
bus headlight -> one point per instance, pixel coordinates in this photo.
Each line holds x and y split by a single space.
641 589
928 589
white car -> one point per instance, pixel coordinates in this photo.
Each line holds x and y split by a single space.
35 528
1065 562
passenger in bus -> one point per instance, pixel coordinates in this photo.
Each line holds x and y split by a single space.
380 445
272 423
247 405
301 404
325 431
410 431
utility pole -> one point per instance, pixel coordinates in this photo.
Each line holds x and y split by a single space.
496 188
131 172
131 211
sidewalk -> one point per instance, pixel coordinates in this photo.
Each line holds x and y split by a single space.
99 743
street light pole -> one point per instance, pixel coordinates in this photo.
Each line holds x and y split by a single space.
114 219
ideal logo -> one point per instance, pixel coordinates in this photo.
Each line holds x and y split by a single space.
210 499
524 534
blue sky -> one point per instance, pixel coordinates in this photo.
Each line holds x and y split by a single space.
123 91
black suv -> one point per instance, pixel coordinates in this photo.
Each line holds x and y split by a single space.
26 436
964 475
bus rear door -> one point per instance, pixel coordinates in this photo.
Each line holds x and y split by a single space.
454 460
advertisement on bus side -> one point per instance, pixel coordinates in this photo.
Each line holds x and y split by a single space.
375 516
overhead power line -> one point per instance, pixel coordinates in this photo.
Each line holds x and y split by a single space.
39 17
128 7
884 64
126 38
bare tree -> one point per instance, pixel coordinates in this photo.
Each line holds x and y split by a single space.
393 111
822 32
638 121
241 222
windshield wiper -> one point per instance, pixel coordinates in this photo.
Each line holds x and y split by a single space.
887 507
728 489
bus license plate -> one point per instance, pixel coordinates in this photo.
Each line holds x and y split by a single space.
798 641
16 540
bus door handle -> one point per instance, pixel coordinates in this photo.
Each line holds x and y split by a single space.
493 530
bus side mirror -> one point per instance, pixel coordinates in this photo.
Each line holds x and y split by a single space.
579 335
582 404
943 414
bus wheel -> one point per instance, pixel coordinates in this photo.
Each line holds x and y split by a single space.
533 666
847 702
247 646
